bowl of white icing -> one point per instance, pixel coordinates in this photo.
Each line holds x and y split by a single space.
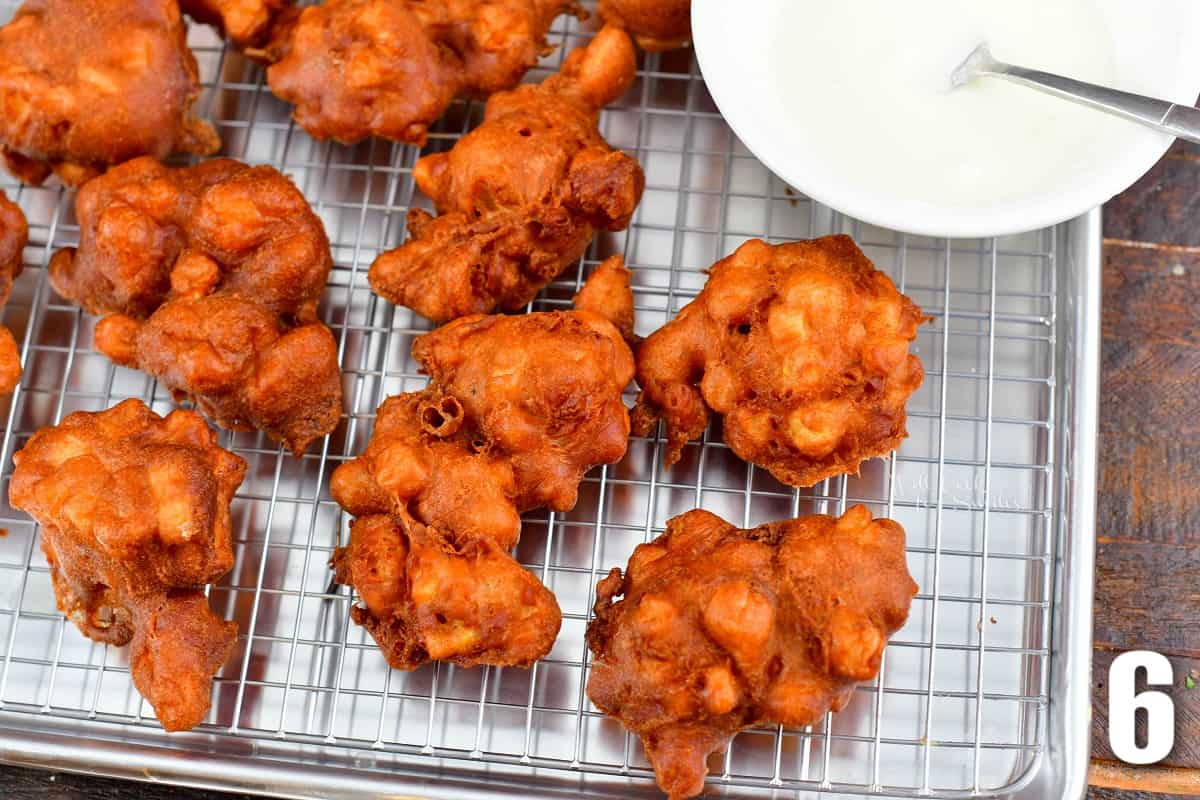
850 102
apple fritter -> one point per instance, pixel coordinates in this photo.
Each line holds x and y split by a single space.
607 293
247 23
149 233
518 409
10 361
135 519
243 367
713 629
210 276
426 595
521 196
14 234
655 24
85 84
802 347
390 68
421 460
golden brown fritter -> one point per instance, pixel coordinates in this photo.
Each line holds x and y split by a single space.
150 232
426 596
422 458
389 68
718 629
802 347
211 277
135 519
655 24
521 196
14 234
10 361
543 388
85 84
242 366
246 22
517 411
607 292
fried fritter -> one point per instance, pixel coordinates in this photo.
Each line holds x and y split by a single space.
149 233
14 234
655 24
85 84
135 519
10 361
543 388
607 292
389 68
718 629
421 459
802 347
246 22
425 596
517 410
244 369
521 196
211 277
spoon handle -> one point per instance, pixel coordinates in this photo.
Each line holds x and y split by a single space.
1162 115
1182 121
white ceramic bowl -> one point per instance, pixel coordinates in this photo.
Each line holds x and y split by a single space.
737 47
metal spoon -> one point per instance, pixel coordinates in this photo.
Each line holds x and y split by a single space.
1162 115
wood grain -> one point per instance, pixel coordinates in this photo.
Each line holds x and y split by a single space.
1164 206
34 784
1148 506
1099 793
1149 421
1117 781
1148 597
1105 793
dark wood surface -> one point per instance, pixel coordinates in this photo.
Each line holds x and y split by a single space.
36 784
1100 793
1148 520
1148 531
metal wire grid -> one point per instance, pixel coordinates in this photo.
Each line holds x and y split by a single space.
960 704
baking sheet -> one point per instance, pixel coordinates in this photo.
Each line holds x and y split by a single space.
306 706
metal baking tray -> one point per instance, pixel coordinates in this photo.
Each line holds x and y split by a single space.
983 693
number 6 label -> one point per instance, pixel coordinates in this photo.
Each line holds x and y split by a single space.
1123 704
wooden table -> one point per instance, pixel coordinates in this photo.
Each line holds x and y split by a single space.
1148 521
1148 537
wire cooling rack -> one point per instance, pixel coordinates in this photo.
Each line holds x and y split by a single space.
962 703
